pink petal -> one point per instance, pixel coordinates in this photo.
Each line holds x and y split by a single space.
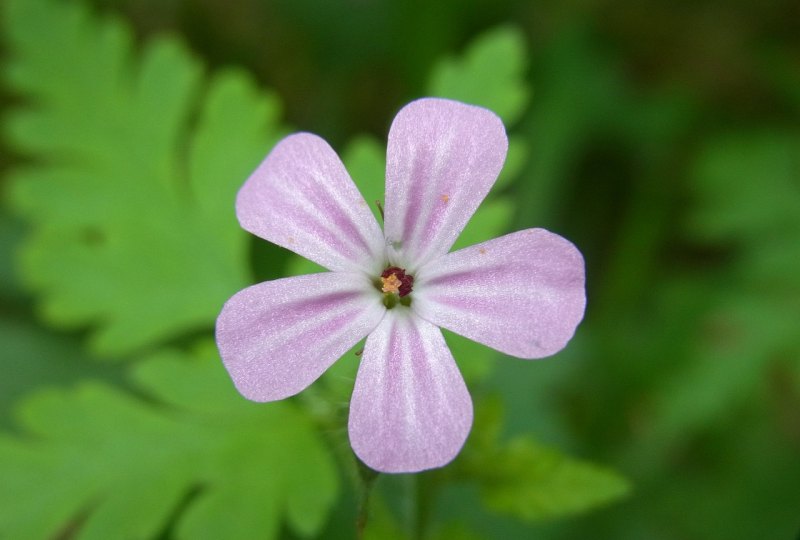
443 157
522 294
410 409
302 198
277 337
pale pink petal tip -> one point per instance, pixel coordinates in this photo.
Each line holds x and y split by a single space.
277 337
410 409
522 294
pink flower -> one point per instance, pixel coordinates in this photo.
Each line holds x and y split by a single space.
522 294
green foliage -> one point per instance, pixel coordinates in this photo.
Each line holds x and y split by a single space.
579 94
747 198
746 190
136 166
365 159
10 234
534 482
526 480
490 73
31 357
109 464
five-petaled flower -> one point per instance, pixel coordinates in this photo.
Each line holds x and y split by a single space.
522 294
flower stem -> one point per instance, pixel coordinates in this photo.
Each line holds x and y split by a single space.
367 476
411 507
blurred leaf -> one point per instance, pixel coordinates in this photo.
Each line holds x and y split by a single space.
747 188
529 481
516 159
491 220
726 368
365 159
137 166
381 524
10 237
534 483
31 357
579 90
748 197
455 530
114 466
490 73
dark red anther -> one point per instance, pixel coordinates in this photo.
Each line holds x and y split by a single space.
406 280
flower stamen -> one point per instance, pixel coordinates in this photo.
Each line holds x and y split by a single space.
391 284
396 286
397 281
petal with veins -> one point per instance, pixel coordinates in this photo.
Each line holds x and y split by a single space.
277 337
442 159
302 198
410 409
522 294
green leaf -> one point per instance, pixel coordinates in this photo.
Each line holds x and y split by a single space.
532 482
491 220
31 357
136 166
10 235
746 188
455 530
746 198
115 466
516 159
381 524
365 159
490 73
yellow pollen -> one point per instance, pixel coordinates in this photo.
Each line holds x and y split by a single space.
391 284
445 198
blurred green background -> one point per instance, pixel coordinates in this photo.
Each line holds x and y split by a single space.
662 138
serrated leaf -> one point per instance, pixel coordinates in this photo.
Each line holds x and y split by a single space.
136 169
490 73
114 466
527 480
